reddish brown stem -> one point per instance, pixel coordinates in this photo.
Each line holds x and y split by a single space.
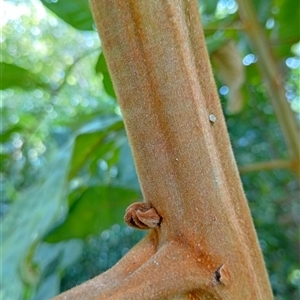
205 246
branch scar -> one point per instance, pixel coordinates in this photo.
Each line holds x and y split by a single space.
142 215
221 275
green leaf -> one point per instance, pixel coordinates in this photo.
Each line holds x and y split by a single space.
289 28
126 170
5 135
101 67
96 209
51 259
77 13
14 76
214 44
208 6
109 152
263 9
49 287
87 145
29 218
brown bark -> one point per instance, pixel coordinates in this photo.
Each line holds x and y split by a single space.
203 244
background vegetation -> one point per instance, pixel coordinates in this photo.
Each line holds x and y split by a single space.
67 173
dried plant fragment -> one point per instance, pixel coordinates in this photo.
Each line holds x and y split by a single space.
142 215
232 73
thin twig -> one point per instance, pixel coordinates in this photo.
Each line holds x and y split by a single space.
272 77
266 165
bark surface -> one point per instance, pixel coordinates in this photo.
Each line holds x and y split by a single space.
202 243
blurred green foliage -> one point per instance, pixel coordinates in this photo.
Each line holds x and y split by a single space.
67 172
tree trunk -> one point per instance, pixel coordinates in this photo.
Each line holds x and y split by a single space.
202 243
